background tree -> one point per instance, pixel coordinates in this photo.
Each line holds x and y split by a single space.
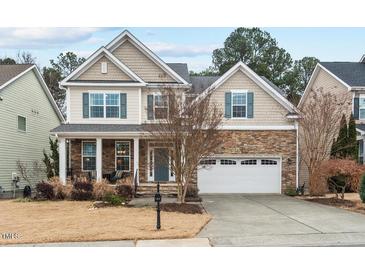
210 71
51 160
257 49
191 132
296 80
318 128
345 146
66 63
7 61
25 57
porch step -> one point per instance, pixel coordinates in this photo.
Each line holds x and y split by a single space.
148 189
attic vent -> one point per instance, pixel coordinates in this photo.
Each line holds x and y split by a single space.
104 67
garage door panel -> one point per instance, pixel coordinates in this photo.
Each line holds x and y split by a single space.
247 178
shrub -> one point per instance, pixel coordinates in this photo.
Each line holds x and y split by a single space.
82 190
114 200
362 189
290 191
125 181
60 191
45 190
342 174
125 191
192 191
101 189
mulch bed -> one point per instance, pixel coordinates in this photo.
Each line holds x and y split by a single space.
183 208
345 204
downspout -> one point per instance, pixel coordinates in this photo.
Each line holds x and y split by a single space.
297 148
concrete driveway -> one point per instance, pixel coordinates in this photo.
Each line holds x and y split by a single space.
277 220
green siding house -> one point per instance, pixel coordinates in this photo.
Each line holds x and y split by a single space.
27 114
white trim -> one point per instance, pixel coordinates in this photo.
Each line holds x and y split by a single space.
362 59
62 160
82 155
90 84
136 159
26 123
140 106
257 79
297 156
284 127
120 39
99 159
313 78
129 156
93 59
361 96
104 67
68 105
168 85
105 92
43 84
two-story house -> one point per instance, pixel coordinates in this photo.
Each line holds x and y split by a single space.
27 114
117 91
341 79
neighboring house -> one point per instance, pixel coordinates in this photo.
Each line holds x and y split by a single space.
342 79
27 114
117 91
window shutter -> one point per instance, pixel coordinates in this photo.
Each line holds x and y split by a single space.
150 107
228 104
356 108
249 104
123 105
85 105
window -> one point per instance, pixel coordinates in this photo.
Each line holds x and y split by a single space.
207 162
22 123
249 162
104 67
112 105
160 106
97 105
228 162
239 104
268 162
104 105
122 156
88 156
362 108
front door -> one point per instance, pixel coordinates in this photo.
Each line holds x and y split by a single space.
161 164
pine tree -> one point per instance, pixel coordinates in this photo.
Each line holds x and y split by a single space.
339 146
352 150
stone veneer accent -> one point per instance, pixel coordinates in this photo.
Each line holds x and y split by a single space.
264 143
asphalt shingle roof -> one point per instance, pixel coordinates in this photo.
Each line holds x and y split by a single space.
8 72
352 73
201 83
181 69
273 85
75 128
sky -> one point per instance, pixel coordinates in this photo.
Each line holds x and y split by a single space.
187 45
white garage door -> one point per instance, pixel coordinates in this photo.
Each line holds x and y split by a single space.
243 175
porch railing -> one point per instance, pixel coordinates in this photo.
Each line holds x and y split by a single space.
135 181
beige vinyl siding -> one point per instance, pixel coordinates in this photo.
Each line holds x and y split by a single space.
267 111
133 105
140 64
113 72
328 83
27 98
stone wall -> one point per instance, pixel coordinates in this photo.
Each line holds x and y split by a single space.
264 143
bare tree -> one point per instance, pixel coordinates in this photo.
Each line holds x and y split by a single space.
29 174
319 126
190 130
25 57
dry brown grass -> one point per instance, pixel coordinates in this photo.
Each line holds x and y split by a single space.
64 221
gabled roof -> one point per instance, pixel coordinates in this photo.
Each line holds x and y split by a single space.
352 73
127 35
22 70
273 85
93 59
240 66
8 72
201 83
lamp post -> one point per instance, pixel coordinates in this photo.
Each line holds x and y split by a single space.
158 201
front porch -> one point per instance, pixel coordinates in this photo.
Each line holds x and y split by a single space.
144 161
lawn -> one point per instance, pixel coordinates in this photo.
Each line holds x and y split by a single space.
64 221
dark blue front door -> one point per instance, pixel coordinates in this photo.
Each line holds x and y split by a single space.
161 164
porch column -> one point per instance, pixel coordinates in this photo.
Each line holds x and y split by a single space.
62 159
99 157
136 158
